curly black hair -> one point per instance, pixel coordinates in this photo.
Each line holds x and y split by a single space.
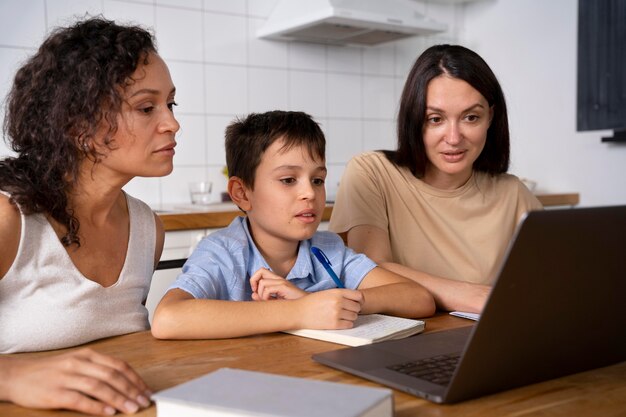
58 100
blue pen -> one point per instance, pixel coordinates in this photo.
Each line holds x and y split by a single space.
321 256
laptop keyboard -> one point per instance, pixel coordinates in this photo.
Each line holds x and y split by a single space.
438 369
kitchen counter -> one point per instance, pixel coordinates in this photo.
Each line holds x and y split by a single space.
188 217
211 216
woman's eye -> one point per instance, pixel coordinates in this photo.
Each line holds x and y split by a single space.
171 105
288 180
318 181
471 117
146 110
434 120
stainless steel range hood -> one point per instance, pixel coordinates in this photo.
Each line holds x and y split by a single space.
341 22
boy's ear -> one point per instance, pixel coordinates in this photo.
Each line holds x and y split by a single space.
239 193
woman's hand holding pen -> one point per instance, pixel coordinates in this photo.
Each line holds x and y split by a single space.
81 380
266 285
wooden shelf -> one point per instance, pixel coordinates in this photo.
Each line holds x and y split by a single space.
570 199
209 219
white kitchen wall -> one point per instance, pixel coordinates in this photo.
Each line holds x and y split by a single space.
221 70
531 46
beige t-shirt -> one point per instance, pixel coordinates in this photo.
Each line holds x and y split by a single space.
459 234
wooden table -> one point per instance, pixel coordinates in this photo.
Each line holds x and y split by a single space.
162 364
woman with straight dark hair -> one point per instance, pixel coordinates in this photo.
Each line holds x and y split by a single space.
441 208
89 111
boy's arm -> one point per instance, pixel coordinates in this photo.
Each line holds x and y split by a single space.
180 316
389 293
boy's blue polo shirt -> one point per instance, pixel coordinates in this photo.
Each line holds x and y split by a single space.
221 266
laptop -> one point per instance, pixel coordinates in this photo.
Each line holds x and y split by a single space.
556 308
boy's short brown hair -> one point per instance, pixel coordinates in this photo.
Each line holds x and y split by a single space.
248 138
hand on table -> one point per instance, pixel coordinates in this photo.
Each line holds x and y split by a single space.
82 380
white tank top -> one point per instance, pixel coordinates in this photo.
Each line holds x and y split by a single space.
46 303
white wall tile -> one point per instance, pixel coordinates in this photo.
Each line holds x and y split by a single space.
66 12
379 60
226 89
22 23
11 60
420 6
345 59
261 8
188 79
443 13
264 52
323 124
175 187
307 56
307 92
188 4
4 148
344 95
398 88
174 43
225 39
407 51
191 141
268 89
333 179
215 127
379 134
379 97
343 140
147 190
129 13
229 6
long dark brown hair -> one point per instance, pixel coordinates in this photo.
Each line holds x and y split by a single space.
457 62
59 99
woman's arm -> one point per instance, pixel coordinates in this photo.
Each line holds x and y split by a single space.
10 231
82 380
448 294
180 316
389 293
160 239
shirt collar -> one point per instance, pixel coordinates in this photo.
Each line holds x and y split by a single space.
301 269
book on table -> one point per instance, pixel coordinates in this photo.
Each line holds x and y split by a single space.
368 328
237 392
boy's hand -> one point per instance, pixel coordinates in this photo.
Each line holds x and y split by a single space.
266 285
82 380
331 309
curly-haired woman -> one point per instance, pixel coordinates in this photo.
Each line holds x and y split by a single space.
88 112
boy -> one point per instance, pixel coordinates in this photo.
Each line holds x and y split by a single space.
258 275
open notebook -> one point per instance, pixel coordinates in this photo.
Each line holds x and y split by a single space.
368 328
